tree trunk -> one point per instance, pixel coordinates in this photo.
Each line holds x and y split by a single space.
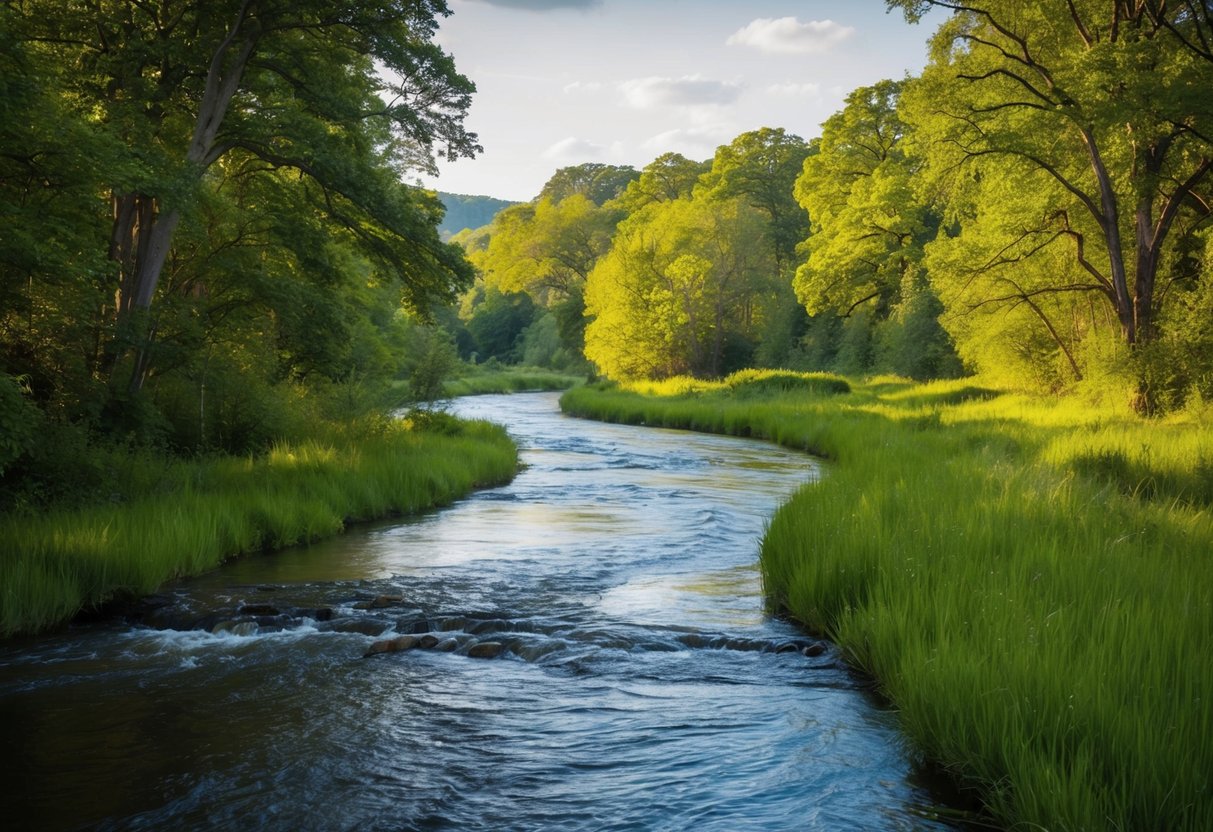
141 239
1109 221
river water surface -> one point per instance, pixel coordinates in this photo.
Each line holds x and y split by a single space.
641 687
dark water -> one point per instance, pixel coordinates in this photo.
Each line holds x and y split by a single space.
641 686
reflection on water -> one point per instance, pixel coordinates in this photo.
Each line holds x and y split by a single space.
637 683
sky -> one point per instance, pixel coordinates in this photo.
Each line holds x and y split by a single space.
562 82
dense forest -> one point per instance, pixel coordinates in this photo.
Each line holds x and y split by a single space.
1034 207
208 244
204 247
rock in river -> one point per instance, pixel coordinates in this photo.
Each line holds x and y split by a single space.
486 650
391 645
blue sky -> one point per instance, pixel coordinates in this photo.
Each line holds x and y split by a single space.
562 82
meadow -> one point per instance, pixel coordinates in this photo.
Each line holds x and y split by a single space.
175 517
1027 580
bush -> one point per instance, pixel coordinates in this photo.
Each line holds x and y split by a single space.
19 420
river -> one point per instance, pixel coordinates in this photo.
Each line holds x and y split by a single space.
641 684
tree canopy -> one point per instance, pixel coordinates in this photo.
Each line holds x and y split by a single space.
206 208
1071 141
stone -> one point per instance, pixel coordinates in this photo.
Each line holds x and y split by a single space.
391 645
427 641
446 645
258 609
486 650
235 628
379 602
815 649
362 626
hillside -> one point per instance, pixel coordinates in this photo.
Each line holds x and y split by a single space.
468 212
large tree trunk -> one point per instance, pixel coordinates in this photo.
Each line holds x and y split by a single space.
143 237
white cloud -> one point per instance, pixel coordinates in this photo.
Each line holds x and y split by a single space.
794 90
789 36
574 149
688 91
693 142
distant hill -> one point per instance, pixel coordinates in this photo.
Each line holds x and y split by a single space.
468 212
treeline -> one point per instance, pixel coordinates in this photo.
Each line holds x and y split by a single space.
207 245
1034 207
682 267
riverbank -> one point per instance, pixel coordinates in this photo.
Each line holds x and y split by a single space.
1028 581
481 380
179 517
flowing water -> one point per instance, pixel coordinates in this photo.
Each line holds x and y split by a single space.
639 683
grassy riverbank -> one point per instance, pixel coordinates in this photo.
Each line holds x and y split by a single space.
1029 581
176 517
475 381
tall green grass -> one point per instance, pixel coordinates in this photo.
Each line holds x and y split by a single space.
181 518
1030 582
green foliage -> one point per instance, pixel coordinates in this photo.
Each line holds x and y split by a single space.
668 177
1071 150
761 383
19 421
594 181
291 240
546 248
436 360
542 345
680 279
965 549
498 322
483 378
759 168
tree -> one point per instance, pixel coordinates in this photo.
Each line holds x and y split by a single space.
868 226
677 289
548 248
595 181
1104 104
760 168
670 176
188 87
498 322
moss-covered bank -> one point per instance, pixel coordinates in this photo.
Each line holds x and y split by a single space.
176 517
1029 581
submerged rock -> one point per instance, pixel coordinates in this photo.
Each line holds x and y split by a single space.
236 628
258 609
391 645
446 645
815 649
380 602
362 626
427 641
486 650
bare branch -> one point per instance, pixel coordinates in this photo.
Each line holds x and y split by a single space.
1078 24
